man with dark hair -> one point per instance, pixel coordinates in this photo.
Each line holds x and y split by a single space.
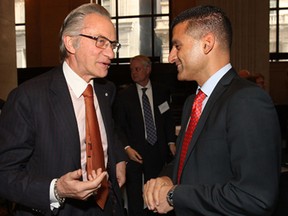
228 150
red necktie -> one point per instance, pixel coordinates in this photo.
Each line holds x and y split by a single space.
195 115
94 149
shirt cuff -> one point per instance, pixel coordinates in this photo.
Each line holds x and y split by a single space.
53 201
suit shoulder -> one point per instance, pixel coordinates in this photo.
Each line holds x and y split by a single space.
128 91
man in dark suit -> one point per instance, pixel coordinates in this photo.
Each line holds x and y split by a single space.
146 157
42 127
232 161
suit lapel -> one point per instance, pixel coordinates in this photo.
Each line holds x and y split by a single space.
217 92
104 99
62 108
136 105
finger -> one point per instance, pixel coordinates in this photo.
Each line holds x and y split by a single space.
138 156
145 191
157 187
75 175
99 171
138 160
94 183
149 190
91 176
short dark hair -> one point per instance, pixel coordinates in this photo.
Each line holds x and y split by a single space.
204 19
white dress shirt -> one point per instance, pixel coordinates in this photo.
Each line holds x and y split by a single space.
150 97
76 87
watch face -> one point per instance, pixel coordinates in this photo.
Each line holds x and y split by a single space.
170 197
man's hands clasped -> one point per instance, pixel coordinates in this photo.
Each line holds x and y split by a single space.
155 193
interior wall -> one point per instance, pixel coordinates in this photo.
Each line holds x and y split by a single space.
43 22
250 47
8 72
279 82
179 6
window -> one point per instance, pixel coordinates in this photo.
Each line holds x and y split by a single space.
142 27
278 30
20 33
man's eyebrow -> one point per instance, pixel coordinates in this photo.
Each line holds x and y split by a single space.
174 41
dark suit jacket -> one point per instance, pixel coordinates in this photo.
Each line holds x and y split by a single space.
128 115
40 141
233 161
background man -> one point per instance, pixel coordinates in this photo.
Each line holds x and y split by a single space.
147 155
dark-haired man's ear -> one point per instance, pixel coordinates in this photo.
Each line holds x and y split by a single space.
209 41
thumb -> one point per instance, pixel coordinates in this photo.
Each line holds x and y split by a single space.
76 174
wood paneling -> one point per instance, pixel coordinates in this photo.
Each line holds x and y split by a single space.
8 73
250 23
43 22
279 82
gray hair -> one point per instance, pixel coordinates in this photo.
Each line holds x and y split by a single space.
73 23
145 60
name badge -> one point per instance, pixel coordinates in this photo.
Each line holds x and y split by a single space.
163 107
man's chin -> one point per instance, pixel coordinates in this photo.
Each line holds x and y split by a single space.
180 76
102 74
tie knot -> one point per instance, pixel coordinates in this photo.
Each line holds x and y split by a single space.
88 91
200 96
144 90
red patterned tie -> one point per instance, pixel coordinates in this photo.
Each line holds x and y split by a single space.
195 115
94 149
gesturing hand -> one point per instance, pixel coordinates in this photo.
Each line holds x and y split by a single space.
70 186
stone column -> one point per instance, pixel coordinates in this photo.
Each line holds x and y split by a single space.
8 69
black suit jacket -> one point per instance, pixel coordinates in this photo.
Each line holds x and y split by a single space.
233 161
39 141
128 115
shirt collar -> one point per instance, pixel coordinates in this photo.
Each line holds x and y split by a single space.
210 84
75 82
148 86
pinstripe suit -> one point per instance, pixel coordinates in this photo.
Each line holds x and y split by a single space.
40 141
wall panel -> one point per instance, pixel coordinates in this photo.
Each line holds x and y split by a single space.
8 72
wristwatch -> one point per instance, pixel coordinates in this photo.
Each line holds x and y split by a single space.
169 196
61 200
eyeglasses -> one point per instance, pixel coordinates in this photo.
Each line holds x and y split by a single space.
103 42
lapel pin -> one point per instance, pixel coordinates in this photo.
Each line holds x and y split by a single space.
106 94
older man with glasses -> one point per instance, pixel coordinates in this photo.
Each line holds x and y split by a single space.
45 149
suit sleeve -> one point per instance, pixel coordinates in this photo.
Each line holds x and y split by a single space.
18 181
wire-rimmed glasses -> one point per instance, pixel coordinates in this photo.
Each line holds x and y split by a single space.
103 42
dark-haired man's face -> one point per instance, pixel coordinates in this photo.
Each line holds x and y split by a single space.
187 54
